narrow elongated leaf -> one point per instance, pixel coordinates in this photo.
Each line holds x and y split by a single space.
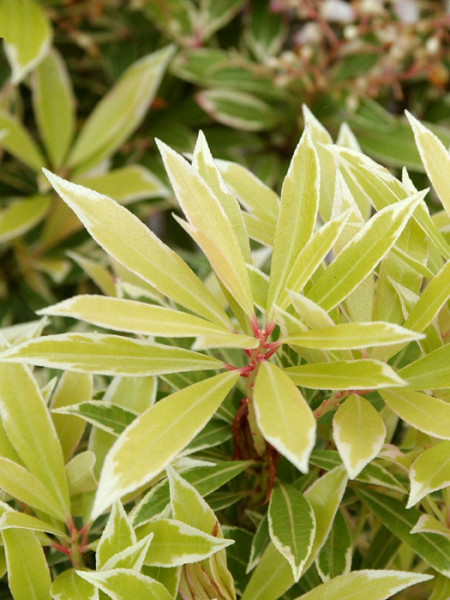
156 436
135 317
358 374
21 216
207 217
123 584
426 413
131 557
429 472
353 335
284 417
430 372
27 35
120 112
377 585
132 393
53 104
17 141
298 211
28 573
359 432
358 259
80 473
126 184
117 535
17 520
30 429
109 417
335 557
428 524
107 354
174 543
434 549
292 526
435 157
134 246
68 585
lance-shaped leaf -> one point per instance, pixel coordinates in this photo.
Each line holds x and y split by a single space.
28 572
17 520
123 584
430 372
428 524
53 105
68 585
135 247
109 417
174 543
360 256
21 216
374 585
107 354
30 429
284 417
273 575
298 212
135 317
120 112
132 393
353 335
429 472
426 413
292 526
435 158
210 223
117 535
17 141
131 557
358 374
335 557
359 432
126 184
204 164
27 35
433 548
80 473
155 437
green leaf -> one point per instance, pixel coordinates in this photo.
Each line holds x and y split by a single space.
428 524
434 549
27 35
109 417
72 389
359 257
210 226
134 246
174 543
21 216
17 141
123 584
375 585
28 573
117 535
126 184
120 112
298 211
132 393
54 106
131 557
80 473
441 589
147 446
358 374
107 354
16 520
429 472
68 586
426 413
30 429
335 557
435 157
359 433
429 372
292 526
267 31
216 14
175 18
285 419
239 110
353 335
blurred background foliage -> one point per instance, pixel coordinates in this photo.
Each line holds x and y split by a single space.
239 70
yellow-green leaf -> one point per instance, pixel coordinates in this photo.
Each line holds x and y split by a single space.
123 584
21 216
429 472
17 141
431 372
68 586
